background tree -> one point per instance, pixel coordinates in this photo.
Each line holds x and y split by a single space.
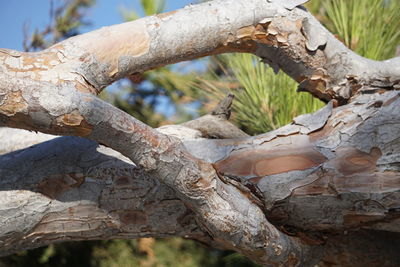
252 94
138 95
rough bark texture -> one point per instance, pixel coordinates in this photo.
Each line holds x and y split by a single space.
292 197
96 193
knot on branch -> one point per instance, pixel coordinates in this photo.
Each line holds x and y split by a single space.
216 124
223 109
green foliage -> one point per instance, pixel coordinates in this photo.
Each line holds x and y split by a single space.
171 252
115 253
79 254
368 27
264 101
178 252
61 255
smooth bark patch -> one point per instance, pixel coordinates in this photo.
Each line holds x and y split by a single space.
129 39
71 119
79 125
355 218
123 181
133 217
350 160
297 154
55 185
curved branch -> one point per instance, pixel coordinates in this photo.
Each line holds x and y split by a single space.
63 110
335 170
51 91
92 192
15 139
283 35
96 193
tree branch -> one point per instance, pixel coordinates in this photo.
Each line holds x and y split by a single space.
335 170
62 110
310 56
108 203
53 92
96 193
216 124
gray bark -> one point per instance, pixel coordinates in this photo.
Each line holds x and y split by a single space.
285 198
71 188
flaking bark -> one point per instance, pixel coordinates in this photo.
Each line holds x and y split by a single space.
324 174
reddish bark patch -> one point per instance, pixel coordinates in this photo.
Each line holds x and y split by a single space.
133 217
206 174
321 186
268 160
19 120
317 87
13 104
269 166
122 181
356 219
351 171
84 87
390 101
368 182
55 185
72 119
351 160
292 260
156 139
330 183
73 123
314 136
309 239
202 183
166 14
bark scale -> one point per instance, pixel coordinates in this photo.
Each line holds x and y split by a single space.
325 174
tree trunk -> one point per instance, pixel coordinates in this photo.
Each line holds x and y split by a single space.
309 192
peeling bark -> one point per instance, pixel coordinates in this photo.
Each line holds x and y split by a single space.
96 193
341 176
281 198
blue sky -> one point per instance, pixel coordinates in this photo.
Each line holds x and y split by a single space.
14 13
35 13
